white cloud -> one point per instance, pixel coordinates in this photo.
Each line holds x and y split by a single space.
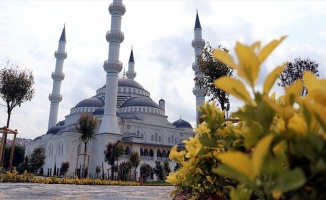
160 32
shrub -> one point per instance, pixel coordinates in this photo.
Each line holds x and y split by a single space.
29 178
276 151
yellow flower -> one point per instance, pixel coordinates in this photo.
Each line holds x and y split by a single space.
249 59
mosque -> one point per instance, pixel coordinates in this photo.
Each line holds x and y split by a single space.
122 107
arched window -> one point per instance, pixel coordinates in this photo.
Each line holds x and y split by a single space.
155 137
127 151
129 90
159 138
158 153
79 148
175 140
141 152
145 152
167 155
50 150
169 140
152 138
138 133
124 89
163 154
172 138
151 153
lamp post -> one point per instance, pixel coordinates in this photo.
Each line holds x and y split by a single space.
113 151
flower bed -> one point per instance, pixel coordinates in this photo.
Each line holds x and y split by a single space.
14 177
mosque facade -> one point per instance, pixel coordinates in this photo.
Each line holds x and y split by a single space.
123 108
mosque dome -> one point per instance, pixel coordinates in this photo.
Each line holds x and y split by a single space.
99 111
91 102
54 130
182 124
124 82
140 101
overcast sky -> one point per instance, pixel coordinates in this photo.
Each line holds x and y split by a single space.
160 33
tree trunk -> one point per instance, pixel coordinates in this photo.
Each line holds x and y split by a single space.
5 138
84 174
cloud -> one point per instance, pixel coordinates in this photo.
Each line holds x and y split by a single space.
160 32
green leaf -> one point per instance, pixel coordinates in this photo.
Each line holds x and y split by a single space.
260 152
289 180
227 171
239 194
207 141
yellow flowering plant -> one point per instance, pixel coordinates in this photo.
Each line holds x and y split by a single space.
276 151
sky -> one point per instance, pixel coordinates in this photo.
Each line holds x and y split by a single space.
160 33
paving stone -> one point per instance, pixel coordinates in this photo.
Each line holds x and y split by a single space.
12 191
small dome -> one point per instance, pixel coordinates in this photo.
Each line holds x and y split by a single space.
140 101
99 111
182 124
66 129
37 138
128 83
91 102
54 129
61 123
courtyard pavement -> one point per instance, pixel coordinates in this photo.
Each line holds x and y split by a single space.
14 191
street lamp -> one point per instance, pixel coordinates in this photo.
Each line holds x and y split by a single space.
132 135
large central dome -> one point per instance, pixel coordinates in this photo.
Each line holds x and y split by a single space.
123 82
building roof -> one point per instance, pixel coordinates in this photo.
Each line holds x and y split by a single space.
63 35
91 102
54 129
197 23
123 82
182 124
131 58
140 101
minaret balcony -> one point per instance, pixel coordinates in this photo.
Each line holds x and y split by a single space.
62 55
55 97
199 91
117 8
131 74
195 67
115 35
198 43
58 76
112 66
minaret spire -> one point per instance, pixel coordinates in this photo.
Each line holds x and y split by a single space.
55 97
198 44
131 74
113 67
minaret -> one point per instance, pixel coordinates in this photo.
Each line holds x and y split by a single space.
198 44
131 74
55 97
112 67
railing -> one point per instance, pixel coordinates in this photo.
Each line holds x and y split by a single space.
118 4
147 158
198 40
125 156
112 61
115 32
